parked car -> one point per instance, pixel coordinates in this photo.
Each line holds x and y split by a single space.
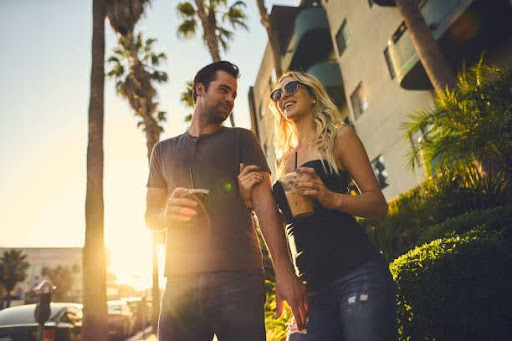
121 320
19 324
141 309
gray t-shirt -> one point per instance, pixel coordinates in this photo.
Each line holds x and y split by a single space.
210 161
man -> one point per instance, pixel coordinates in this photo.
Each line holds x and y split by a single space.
213 264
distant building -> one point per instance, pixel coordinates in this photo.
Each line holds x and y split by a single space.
364 56
38 258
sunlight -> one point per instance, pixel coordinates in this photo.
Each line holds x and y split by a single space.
130 260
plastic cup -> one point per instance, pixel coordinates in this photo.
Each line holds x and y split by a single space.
300 205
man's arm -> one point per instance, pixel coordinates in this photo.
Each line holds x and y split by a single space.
288 286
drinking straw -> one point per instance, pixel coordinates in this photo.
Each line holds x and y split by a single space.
191 178
295 160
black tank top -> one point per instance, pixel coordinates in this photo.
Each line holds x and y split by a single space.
327 244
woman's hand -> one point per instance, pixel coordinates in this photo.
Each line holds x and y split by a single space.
310 184
248 177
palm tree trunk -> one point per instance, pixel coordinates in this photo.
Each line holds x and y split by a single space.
272 37
209 31
212 42
95 308
429 53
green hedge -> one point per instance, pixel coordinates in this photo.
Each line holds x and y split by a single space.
457 288
493 218
446 195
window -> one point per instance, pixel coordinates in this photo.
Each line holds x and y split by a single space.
273 78
380 171
359 101
342 37
389 62
416 139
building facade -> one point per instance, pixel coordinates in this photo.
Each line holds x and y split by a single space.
39 258
363 54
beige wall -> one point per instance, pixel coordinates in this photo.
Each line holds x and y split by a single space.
262 89
388 104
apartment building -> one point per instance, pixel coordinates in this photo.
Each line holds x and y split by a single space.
364 56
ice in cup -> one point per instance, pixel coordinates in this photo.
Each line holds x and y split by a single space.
300 205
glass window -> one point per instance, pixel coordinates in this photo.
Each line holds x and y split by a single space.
342 37
389 63
359 101
379 168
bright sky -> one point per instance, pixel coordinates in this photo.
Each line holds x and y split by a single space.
44 91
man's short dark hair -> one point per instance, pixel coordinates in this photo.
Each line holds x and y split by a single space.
207 74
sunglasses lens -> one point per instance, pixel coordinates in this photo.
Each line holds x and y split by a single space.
276 95
289 88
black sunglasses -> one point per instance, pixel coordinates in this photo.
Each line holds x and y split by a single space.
289 89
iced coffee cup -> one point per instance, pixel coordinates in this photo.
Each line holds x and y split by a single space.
199 194
300 205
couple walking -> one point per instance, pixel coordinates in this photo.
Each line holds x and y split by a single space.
202 186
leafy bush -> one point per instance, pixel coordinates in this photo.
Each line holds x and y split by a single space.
494 217
276 328
448 194
457 288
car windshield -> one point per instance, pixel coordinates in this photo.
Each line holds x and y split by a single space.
115 307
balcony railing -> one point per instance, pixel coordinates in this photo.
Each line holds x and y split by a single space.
311 42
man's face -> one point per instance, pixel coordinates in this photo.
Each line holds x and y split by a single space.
217 103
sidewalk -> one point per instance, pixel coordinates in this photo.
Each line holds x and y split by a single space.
147 335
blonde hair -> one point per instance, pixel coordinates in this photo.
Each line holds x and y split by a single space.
327 122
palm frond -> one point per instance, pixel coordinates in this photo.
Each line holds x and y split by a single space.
187 29
186 10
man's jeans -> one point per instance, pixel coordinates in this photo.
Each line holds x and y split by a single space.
227 303
360 306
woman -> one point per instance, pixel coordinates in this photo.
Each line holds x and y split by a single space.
350 290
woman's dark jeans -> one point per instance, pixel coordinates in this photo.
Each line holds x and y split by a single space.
360 306
227 303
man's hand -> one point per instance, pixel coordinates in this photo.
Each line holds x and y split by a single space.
179 208
290 289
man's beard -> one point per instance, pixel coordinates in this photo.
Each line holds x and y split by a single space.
214 117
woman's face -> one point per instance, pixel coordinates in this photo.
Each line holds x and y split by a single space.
296 105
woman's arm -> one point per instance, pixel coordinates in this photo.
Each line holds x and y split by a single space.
350 153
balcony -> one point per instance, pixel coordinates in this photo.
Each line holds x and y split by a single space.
329 74
439 15
462 28
312 41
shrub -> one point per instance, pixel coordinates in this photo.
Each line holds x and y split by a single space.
276 328
448 194
494 217
457 288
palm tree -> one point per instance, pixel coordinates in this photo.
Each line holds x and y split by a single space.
214 35
13 269
272 37
135 69
123 16
434 62
470 124
94 261
187 99
62 278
